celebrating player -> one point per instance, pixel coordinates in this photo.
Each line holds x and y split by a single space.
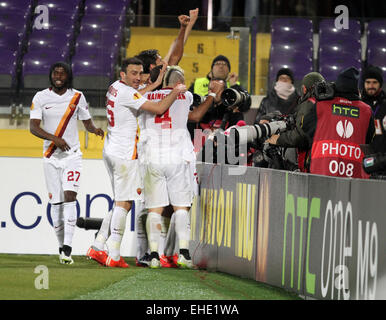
120 155
169 152
59 107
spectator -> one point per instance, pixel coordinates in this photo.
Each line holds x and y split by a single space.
283 97
219 70
375 97
218 115
296 137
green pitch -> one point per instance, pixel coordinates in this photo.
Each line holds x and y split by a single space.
20 278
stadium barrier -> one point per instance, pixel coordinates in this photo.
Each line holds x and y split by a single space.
321 237
25 219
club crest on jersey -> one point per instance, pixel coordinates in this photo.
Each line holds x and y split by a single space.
137 96
32 106
139 191
50 195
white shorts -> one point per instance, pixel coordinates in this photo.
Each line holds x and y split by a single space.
168 184
126 178
194 178
62 174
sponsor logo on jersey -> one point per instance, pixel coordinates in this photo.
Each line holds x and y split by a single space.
137 96
345 130
345 111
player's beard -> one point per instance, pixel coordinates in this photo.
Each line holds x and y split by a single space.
59 87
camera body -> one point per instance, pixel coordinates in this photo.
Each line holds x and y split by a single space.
236 97
374 163
230 99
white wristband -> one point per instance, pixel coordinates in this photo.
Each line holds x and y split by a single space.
212 94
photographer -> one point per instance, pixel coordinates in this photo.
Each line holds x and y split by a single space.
337 124
297 137
282 97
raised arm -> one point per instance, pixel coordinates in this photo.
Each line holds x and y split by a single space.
197 113
177 48
161 106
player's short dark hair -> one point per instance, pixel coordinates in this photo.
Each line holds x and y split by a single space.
67 69
148 57
128 61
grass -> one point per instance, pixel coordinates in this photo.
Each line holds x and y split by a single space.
86 280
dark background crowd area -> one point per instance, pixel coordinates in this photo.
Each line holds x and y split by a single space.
362 9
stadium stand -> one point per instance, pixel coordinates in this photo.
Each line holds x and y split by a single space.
291 47
48 42
15 20
338 49
376 44
98 47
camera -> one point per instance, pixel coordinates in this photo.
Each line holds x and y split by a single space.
236 97
323 90
249 134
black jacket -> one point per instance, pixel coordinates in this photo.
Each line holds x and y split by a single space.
378 105
272 102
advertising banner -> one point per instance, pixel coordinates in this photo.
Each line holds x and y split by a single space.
203 250
25 220
236 221
367 277
282 228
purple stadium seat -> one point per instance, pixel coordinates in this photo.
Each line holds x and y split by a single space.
376 30
36 65
327 27
8 66
59 41
21 6
291 47
338 49
281 26
10 39
300 62
333 64
103 22
60 6
376 44
109 7
98 39
377 56
93 69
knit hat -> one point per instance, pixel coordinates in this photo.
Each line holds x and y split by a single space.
373 72
221 58
311 79
347 81
287 72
